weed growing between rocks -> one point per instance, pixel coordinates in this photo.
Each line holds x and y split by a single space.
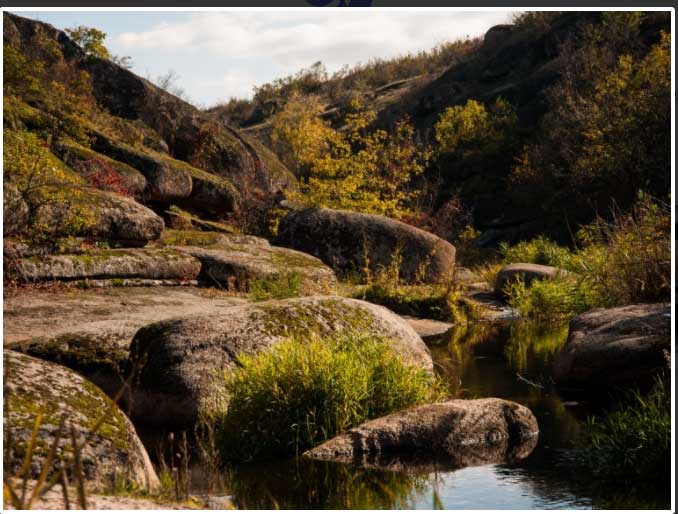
275 286
301 393
444 302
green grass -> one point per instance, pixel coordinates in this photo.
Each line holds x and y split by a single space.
632 444
619 262
303 392
540 250
421 301
275 286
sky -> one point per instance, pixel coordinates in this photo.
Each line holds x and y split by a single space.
219 55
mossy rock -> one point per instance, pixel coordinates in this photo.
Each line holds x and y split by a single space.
89 162
181 361
106 264
234 264
350 241
111 449
100 355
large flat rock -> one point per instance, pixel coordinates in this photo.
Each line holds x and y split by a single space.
90 331
106 264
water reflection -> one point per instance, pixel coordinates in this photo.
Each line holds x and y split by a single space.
507 360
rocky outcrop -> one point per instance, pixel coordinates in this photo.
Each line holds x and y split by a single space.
234 264
458 433
98 167
90 332
182 360
622 346
527 272
15 212
111 448
106 264
348 241
105 216
185 156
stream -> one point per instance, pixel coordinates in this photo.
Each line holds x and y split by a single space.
505 360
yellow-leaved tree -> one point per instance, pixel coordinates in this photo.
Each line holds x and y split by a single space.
353 168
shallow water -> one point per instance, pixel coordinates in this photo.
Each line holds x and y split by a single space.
509 361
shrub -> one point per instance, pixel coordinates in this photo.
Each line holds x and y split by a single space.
629 259
621 262
540 250
632 444
303 392
550 300
275 286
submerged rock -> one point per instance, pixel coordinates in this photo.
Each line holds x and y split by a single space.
528 272
622 346
182 361
107 264
344 240
111 448
451 434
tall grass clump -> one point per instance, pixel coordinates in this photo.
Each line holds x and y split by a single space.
620 261
540 250
303 392
632 444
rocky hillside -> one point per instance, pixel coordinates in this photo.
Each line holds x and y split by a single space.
124 140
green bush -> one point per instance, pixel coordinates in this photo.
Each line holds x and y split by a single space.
625 261
540 250
275 286
632 444
550 300
301 393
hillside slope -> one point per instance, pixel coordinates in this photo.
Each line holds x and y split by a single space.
113 130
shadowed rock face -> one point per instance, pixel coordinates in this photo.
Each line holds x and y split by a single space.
623 346
181 361
342 239
446 435
527 272
114 450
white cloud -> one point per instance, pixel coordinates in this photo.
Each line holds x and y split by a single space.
266 45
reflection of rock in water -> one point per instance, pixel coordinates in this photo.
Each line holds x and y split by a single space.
461 457
441 436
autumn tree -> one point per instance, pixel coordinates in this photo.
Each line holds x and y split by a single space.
91 40
353 167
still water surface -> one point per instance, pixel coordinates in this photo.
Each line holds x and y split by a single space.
511 361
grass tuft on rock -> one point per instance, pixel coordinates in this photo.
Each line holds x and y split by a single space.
303 392
276 286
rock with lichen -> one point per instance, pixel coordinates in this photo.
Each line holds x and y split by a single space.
110 448
181 361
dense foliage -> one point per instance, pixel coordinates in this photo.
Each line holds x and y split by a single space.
302 392
354 168
625 261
